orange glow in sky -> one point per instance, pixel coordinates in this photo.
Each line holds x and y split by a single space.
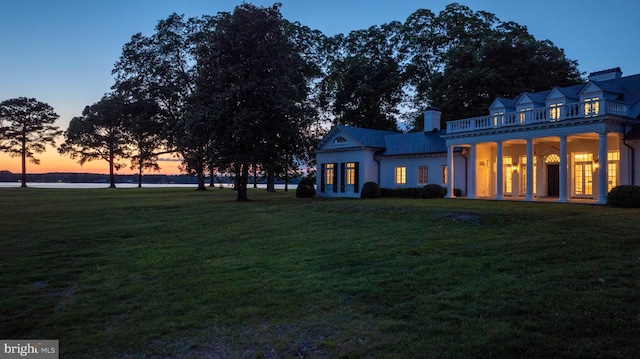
52 161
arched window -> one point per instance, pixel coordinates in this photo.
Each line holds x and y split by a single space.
552 158
340 140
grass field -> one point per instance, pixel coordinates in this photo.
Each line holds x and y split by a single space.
159 273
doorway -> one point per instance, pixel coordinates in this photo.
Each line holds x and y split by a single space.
553 180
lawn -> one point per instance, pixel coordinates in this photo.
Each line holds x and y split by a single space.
159 273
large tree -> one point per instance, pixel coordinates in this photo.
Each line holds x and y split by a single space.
158 71
476 58
142 123
100 134
255 83
26 128
364 83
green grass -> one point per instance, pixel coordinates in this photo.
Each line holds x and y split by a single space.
156 273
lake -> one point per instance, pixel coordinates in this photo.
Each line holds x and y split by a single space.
122 185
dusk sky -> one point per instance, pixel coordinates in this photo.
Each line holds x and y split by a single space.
62 52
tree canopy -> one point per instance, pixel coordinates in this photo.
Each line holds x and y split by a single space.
26 128
246 90
99 134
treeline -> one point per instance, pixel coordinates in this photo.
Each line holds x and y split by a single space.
78 177
250 92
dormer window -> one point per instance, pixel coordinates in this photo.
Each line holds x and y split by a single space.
591 106
554 111
340 140
523 114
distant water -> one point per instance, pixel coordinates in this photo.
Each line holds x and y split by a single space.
121 185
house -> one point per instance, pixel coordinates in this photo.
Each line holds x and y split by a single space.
348 157
565 144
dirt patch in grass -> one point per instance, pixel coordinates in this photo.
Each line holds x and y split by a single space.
464 217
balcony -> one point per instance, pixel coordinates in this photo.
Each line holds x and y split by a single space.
563 112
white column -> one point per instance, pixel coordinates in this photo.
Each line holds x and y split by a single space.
450 174
529 195
499 172
563 170
602 170
472 171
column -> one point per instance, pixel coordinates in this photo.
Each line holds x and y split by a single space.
472 171
563 170
602 170
450 174
530 164
499 172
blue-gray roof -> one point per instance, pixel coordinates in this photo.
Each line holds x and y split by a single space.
627 87
367 137
415 143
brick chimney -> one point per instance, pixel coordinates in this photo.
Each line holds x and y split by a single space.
432 119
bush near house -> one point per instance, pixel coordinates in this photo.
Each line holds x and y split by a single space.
625 196
370 190
410 192
305 188
432 191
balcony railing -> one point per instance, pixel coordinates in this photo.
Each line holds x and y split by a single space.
540 115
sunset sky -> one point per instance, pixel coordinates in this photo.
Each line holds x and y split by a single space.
62 52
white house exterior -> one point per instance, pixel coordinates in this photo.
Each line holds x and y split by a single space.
581 141
347 157
577 139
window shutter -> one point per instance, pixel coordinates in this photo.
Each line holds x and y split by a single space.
343 173
356 179
335 177
323 170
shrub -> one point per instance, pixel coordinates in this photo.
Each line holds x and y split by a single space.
625 196
456 192
432 191
306 188
370 190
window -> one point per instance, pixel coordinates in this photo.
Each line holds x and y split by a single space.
497 118
507 164
445 175
583 174
340 140
555 112
613 159
591 106
330 173
351 173
523 173
523 114
423 175
401 175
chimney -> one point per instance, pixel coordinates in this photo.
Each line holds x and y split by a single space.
432 119
604 75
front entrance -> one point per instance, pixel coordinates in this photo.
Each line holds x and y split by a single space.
553 180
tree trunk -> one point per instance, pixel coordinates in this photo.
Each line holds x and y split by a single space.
271 182
255 177
112 177
24 164
243 178
212 178
201 180
140 176
286 180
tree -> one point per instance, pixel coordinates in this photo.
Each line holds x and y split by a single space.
255 82
28 130
145 131
364 84
158 71
461 60
100 134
